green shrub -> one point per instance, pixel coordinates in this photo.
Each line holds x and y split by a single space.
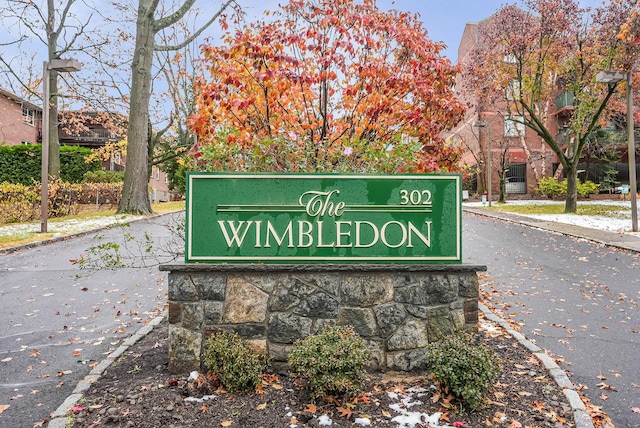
233 360
588 188
551 187
101 176
332 361
22 164
468 368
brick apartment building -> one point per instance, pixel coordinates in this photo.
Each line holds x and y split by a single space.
512 144
21 123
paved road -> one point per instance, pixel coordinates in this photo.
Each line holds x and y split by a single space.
56 320
577 299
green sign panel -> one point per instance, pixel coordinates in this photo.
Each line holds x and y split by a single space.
323 218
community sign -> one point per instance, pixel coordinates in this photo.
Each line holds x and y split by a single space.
323 218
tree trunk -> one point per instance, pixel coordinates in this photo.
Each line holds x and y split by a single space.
571 201
135 196
503 180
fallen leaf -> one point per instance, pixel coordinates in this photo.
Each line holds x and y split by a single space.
226 423
34 353
603 396
204 409
603 385
515 424
41 423
4 407
276 386
261 406
311 408
633 409
6 360
346 412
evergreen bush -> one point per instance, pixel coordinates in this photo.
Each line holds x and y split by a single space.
233 360
468 368
100 176
332 361
23 164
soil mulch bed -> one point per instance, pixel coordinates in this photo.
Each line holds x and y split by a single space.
138 391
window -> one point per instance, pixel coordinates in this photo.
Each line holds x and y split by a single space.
509 59
25 142
28 115
513 126
157 174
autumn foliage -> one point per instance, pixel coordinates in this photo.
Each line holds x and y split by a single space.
327 85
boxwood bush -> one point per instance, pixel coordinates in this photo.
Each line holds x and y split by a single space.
332 361
233 360
467 367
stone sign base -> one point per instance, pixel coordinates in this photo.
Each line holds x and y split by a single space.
396 309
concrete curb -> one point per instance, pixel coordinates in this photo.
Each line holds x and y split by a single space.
580 416
59 416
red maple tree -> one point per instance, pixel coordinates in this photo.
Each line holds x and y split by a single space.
327 85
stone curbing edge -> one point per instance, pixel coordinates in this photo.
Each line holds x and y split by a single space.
59 416
580 416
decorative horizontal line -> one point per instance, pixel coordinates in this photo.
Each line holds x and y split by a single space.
229 208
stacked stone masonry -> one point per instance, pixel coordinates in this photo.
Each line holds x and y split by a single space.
398 310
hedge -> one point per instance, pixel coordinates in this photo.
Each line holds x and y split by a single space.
23 164
19 203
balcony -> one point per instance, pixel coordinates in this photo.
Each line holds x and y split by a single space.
564 103
90 138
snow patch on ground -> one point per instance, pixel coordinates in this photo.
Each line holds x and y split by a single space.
67 227
620 223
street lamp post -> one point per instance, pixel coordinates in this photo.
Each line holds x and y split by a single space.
614 77
482 124
68 65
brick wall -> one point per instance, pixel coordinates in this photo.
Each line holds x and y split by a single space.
13 130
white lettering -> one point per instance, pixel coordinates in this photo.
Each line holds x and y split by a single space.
426 239
319 203
305 230
340 234
279 239
237 239
383 234
320 244
374 229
